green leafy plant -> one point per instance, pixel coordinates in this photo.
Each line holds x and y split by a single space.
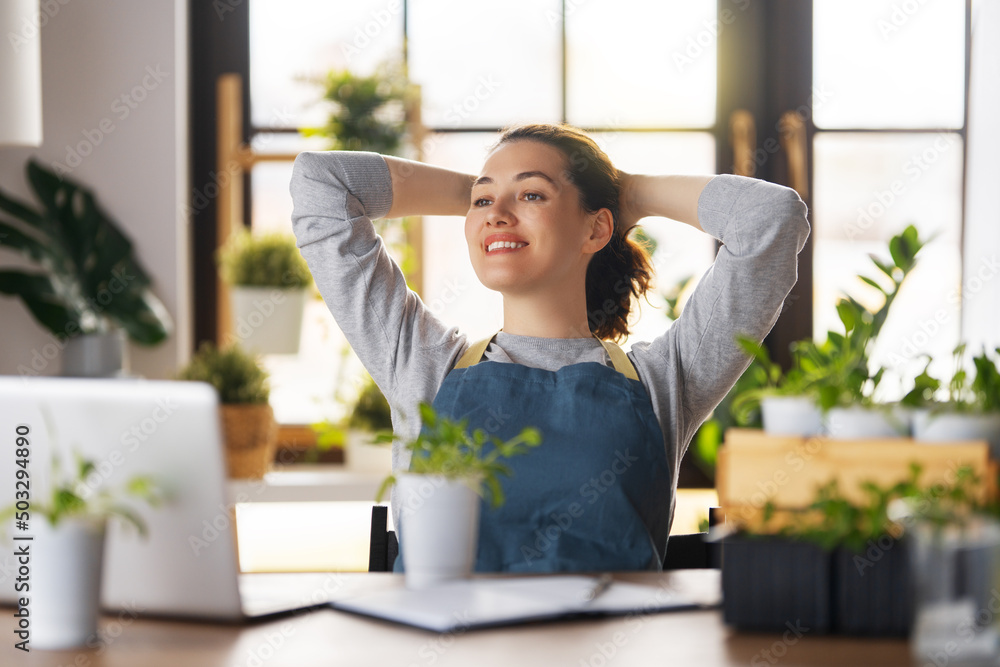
832 520
235 373
368 111
445 447
371 413
979 393
263 260
89 282
72 497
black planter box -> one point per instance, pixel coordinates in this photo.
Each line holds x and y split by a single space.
872 590
774 584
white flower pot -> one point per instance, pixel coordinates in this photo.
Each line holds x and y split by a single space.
791 415
268 320
858 422
66 563
439 528
931 426
362 455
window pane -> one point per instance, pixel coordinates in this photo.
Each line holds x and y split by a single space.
451 288
641 63
290 39
485 64
869 187
889 64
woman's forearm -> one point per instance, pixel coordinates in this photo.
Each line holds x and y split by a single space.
674 197
423 189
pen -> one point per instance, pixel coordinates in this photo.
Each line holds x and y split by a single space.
602 584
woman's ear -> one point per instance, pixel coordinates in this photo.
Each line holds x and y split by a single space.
602 227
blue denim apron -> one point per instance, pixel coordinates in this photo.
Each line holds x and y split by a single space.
596 495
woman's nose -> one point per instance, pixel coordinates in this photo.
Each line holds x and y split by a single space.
498 214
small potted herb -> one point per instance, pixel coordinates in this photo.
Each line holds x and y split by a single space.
369 417
440 494
787 401
972 408
269 281
67 549
248 426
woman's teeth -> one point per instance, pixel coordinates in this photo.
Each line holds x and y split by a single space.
504 244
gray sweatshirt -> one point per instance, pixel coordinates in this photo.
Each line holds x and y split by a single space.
408 350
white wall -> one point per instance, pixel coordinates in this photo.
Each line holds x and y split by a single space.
93 53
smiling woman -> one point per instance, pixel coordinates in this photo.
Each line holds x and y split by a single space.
546 224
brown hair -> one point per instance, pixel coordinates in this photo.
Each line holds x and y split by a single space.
622 267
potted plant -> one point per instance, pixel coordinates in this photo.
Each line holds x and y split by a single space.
840 565
269 281
89 290
787 401
847 391
972 408
371 416
248 426
67 551
449 470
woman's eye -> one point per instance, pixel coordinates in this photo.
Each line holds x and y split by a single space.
479 201
533 194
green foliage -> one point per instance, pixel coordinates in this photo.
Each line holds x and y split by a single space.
234 373
372 411
445 447
368 111
74 496
765 378
924 389
89 281
976 394
986 386
837 371
832 520
263 260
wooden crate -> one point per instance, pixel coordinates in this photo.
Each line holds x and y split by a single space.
755 468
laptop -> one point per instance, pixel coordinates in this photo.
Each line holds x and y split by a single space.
187 566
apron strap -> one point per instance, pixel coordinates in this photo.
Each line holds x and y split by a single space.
620 360
474 353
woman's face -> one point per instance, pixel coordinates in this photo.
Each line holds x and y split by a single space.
523 197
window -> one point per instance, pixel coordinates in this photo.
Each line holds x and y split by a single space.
651 111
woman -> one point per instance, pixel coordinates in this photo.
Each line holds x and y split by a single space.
547 224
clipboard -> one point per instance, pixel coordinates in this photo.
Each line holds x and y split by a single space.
475 603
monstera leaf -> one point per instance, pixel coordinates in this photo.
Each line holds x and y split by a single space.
88 280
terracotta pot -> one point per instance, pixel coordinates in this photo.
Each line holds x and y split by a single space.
250 434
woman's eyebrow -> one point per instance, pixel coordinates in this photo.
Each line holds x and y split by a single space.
483 180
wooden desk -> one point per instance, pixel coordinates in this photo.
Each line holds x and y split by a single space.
327 637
